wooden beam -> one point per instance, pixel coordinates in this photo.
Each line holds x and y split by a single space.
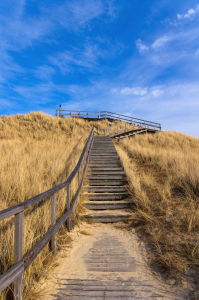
68 206
18 252
53 221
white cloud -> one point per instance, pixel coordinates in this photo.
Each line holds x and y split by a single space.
141 47
160 42
138 91
190 13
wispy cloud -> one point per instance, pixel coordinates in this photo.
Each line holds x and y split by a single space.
141 47
138 91
160 42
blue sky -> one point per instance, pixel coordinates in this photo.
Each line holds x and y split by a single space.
139 58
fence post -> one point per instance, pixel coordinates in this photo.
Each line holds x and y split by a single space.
99 115
18 252
109 132
70 113
105 115
68 206
53 221
78 177
105 132
117 129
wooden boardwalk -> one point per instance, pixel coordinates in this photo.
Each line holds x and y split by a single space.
106 186
113 269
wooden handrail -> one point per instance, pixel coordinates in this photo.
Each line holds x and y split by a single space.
105 115
22 263
118 129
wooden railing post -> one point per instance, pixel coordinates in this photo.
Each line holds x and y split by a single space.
70 113
99 115
18 252
53 221
78 177
68 206
105 132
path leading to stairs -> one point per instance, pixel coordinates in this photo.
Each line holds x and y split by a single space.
106 264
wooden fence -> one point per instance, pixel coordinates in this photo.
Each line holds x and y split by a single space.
108 115
21 263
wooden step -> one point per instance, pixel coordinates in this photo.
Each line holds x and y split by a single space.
105 169
110 177
101 154
105 172
108 216
101 205
99 164
105 189
107 196
106 182
104 160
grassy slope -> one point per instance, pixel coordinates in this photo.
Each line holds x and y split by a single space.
37 152
163 175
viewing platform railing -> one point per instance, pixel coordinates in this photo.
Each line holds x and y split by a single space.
108 115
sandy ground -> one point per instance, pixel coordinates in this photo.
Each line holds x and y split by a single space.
72 263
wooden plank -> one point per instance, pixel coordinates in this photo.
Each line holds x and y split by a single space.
8 212
18 252
11 275
53 221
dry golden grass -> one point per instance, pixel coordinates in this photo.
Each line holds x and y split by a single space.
37 152
163 175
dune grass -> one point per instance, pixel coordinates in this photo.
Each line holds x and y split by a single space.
163 175
37 152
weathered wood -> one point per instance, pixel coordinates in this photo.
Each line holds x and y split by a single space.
8 212
18 252
68 206
11 275
53 221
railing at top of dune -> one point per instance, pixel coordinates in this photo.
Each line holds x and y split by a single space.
107 115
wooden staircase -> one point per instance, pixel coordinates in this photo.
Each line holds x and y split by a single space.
133 132
106 183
